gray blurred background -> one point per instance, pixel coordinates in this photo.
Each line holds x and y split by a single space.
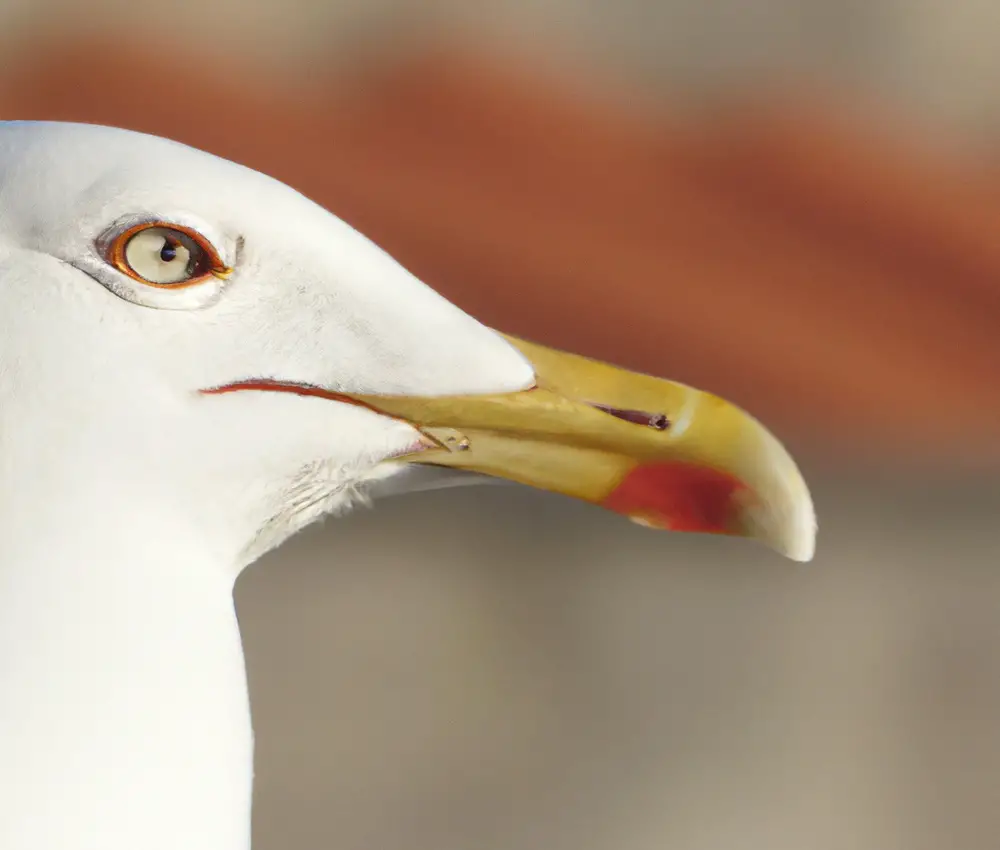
794 204
510 670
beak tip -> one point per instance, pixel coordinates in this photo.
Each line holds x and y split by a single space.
801 545
802 527
782 515
796 532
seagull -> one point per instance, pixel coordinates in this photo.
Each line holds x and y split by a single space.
196 362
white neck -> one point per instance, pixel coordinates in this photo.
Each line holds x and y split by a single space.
124 717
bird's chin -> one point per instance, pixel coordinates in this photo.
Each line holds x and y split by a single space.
410 478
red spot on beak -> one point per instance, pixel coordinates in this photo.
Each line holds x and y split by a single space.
677 496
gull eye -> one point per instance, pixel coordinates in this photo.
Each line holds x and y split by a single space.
165 255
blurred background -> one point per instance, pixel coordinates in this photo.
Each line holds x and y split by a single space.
793 203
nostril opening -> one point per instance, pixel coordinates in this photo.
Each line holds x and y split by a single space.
656 421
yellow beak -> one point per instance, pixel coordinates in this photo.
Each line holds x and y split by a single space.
662 453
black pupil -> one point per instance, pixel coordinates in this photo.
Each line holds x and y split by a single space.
168 253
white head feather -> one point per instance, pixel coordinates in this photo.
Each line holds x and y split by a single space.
100 374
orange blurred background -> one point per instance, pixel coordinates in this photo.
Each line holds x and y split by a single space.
794 205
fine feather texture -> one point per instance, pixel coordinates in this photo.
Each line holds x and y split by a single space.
130 501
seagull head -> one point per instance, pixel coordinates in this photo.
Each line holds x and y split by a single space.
207 343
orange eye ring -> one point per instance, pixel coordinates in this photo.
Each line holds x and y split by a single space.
207 264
